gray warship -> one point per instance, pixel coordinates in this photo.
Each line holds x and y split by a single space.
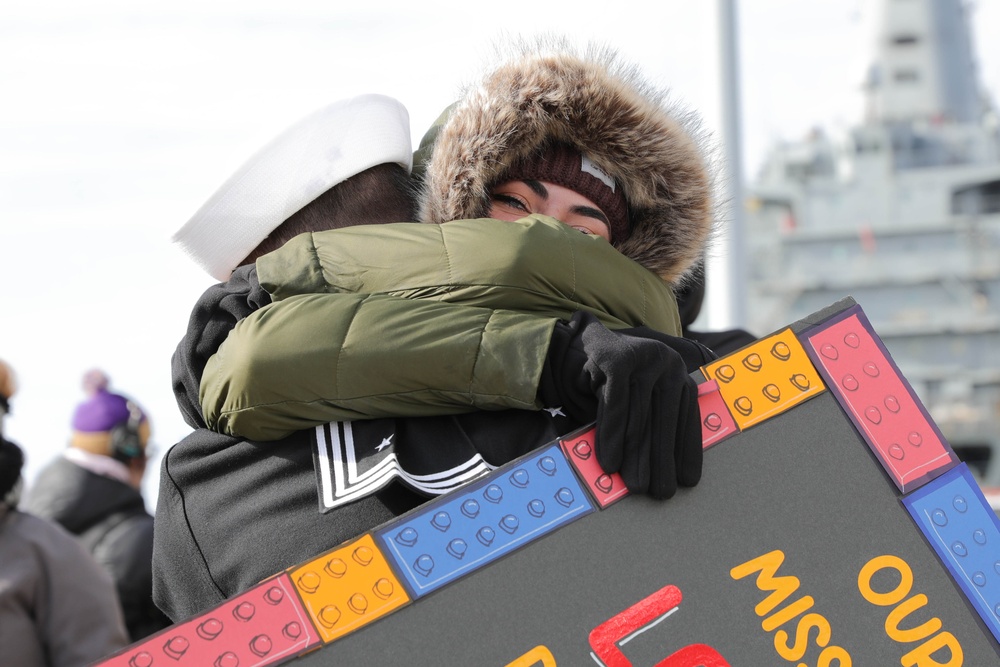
902 212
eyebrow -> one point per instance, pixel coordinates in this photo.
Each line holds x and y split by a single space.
588 211
592 212
536 187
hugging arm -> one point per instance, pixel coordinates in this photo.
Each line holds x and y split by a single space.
316 358
343 342
410 320
636 383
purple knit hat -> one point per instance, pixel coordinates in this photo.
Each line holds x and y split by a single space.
102 411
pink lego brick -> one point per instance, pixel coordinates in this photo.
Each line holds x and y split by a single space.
266 625
867 383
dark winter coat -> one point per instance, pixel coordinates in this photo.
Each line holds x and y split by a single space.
57 606
689 301
110 519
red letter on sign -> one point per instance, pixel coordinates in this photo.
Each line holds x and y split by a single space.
604 638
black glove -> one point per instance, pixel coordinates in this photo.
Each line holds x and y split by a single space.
639 390
694 353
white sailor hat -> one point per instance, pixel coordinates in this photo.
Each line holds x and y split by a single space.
321 150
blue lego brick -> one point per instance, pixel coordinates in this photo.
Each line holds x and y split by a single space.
469 528
965 532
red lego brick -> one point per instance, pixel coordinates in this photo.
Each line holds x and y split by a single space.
267 625
717 423
604 488
879 400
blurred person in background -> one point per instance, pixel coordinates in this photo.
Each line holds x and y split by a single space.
58 607
93 491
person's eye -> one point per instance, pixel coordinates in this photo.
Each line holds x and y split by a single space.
584 230
512 201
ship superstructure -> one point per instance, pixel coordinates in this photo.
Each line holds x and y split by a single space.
902 212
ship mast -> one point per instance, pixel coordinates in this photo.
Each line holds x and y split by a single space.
726 278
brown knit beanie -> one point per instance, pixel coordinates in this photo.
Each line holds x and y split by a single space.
564 165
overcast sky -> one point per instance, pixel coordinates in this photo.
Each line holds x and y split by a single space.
119 119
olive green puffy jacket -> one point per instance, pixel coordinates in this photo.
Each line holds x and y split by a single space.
408 319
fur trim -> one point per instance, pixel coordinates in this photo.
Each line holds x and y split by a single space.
604 108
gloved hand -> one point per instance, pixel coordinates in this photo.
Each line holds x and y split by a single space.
639 390
694 354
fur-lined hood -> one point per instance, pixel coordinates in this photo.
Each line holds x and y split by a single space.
602 107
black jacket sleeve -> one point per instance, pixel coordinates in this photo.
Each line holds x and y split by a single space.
214 316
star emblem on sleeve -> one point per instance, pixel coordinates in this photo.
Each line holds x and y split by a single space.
386 442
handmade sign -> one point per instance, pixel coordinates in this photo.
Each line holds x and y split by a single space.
833 526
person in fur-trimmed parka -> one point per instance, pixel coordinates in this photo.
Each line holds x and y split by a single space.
645 148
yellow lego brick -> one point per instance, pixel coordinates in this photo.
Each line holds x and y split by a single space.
766 378
348 587
540 656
